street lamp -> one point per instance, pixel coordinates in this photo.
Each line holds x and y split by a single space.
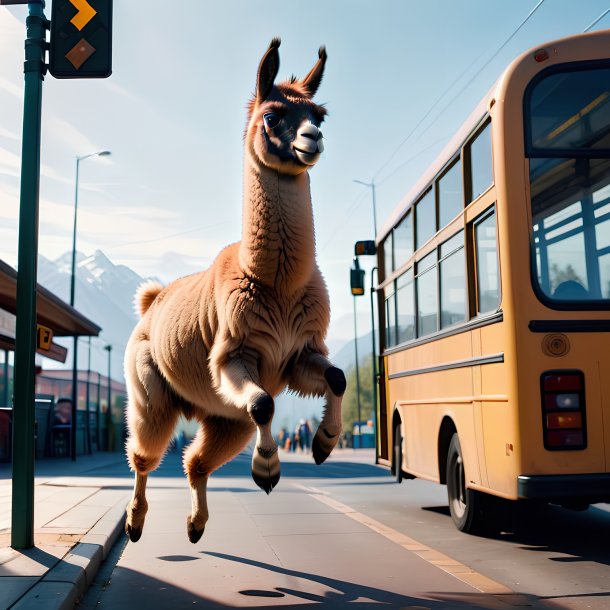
371 184
101 153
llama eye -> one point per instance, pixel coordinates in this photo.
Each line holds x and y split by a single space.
271 119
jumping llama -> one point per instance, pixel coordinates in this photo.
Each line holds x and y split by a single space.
219 345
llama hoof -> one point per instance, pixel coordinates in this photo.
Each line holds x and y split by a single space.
266 468
266 483
194 533
323 443
336 380
134 533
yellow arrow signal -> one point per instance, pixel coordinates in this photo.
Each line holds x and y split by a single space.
85 13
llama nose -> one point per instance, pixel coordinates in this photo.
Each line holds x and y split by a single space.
310 131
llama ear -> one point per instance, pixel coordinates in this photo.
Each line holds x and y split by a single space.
267 71
314 78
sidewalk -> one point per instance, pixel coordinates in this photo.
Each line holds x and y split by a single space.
78 516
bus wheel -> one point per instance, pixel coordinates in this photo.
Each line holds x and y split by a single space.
464 504
397 454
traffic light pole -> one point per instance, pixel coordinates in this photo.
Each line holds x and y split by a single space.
22 530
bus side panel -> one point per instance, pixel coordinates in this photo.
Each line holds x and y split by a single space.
423 400
499 416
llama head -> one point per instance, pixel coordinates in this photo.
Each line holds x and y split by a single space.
283 130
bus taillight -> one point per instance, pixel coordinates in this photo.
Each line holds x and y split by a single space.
563 410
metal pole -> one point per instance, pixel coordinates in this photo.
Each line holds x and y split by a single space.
72 300
97 413
108 348
357 376
371 184
22 527
87 397
5 401
374 208
74 409
374 353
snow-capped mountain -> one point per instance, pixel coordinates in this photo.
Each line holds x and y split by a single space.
104 294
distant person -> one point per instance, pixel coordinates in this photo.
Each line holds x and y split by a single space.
304 435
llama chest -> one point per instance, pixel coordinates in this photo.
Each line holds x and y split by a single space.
275 327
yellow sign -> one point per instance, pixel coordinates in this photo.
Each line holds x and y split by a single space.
85 13
44 336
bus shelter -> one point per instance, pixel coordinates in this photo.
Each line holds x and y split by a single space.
55 319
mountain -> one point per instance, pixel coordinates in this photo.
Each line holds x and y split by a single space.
104 294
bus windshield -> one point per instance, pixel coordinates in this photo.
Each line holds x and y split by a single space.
568 145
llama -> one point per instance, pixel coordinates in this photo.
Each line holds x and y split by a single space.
219 345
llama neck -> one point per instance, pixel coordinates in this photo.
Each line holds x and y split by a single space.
278 245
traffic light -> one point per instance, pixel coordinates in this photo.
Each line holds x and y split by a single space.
357 279
81 39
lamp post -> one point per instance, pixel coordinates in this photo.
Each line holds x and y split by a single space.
108 348
101 153
371 185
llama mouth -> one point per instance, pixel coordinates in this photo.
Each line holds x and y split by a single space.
305 157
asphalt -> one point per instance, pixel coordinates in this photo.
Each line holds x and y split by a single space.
78 516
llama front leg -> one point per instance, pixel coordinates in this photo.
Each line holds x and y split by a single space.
238 382
314 375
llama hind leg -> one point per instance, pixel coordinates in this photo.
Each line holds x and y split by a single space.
218 441
314 375
151 419
239 383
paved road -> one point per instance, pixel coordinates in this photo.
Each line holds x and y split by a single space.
343 534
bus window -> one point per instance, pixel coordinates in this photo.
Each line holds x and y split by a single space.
403 240
427 295
405 306
450 195
452 269
390 315
486 260
481 171
425 218
569 110
388 256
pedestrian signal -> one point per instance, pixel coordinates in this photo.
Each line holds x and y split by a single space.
81 39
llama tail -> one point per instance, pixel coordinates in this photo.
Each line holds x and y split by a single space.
146 293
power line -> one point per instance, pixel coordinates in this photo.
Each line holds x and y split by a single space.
597 20
495 54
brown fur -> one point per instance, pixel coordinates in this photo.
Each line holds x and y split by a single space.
219 345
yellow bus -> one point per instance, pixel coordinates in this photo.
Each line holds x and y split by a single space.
494 296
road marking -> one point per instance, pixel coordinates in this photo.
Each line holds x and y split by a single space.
447 564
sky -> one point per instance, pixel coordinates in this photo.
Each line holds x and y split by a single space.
401 77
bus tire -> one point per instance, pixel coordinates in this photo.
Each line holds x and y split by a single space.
397 454
465 505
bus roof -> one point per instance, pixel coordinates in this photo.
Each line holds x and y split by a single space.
442 158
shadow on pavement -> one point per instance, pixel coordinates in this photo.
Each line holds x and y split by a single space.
128 589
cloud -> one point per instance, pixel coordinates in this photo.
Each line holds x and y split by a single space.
9 135
60 130
11 88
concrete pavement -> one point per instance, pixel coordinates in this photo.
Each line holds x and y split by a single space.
257 551
78 516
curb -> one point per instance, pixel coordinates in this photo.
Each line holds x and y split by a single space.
65 584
